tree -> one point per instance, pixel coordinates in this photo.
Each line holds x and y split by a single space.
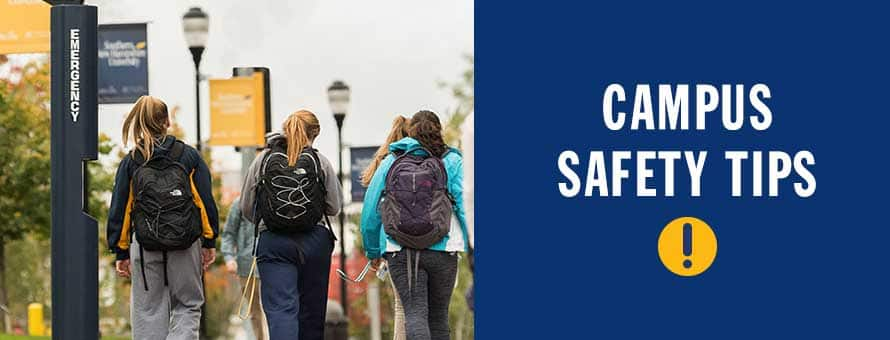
463 92
24 159
460 315
25 187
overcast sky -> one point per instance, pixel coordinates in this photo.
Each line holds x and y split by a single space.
390 52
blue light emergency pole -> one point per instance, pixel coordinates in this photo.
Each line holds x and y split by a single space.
75 282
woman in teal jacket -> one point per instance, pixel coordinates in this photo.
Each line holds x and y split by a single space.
426 292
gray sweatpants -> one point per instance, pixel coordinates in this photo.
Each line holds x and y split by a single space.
172 311
428 293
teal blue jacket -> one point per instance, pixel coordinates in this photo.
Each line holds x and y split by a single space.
376 241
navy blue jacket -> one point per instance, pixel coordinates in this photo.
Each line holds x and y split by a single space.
118 230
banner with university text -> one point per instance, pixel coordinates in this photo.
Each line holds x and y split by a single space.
123 63
237 111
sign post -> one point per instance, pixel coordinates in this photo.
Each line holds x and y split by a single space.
75 285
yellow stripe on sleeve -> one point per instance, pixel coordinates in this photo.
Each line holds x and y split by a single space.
124 241
205 220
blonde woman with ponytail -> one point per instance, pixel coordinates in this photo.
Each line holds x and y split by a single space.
289 191
398 131
162 218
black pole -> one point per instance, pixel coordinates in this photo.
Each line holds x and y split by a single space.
74 141
339 118
196 57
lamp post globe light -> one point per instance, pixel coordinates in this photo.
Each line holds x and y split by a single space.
338 97
195 24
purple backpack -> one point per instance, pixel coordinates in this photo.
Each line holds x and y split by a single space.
416 206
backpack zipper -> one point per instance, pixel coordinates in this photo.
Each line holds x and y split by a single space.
414 188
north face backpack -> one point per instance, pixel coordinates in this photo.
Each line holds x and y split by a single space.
416 206
164 214
290 198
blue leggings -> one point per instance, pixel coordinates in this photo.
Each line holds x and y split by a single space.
295 271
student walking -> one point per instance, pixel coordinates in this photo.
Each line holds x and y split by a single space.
238 238
162 225
398 131
289 190
410 210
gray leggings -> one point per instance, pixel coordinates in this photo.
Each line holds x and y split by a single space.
424 289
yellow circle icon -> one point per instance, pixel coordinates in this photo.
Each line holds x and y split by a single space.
687 246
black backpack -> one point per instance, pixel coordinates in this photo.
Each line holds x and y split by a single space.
164 215
290 198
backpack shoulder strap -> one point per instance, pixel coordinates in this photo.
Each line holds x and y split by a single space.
266 154
324 188
137 157
322 176
177 150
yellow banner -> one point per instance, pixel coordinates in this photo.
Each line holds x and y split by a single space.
24 26
237 111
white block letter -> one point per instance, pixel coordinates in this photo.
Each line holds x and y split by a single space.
613 90
736 157
706 100
766 120
618 173
596 175
669 157
779 168
801 158
670 107
757 173
644 173
695 170
574 186
642 108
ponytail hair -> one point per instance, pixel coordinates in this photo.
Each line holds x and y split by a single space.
398 131
147 121
300 129
426 129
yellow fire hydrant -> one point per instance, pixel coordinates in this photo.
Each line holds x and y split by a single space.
35 319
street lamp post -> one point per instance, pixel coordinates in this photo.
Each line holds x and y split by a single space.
338 96
195 25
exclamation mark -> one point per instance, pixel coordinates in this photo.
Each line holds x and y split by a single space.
687 244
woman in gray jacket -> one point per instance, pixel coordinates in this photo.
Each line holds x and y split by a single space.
295 266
